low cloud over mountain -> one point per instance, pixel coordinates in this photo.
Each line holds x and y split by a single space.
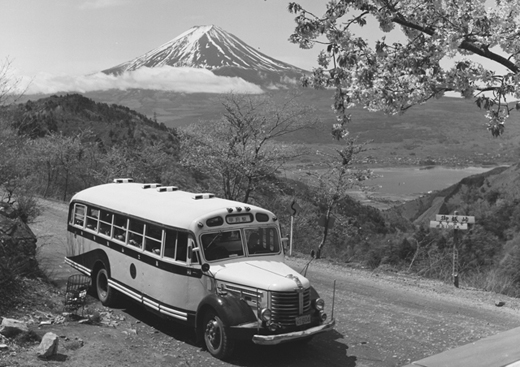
204 59
167 78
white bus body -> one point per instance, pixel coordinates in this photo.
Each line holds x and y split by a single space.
215 264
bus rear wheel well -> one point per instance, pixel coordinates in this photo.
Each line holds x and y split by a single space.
100 280
95 270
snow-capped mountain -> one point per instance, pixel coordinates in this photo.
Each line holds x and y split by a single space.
210 47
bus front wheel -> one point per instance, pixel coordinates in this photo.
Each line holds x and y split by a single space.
106 294
215 337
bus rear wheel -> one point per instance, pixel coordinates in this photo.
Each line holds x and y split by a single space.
106 294
216 339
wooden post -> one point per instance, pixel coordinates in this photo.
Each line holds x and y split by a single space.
290 238
455 273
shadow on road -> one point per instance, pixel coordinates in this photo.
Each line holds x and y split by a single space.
328 349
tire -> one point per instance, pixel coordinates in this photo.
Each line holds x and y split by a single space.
106 294
216 339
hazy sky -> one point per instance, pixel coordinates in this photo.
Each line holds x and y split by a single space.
76 37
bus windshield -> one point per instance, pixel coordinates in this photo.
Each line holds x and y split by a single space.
222 245
225 244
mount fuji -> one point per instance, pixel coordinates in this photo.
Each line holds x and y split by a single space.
212 48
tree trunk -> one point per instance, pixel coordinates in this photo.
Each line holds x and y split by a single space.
325 233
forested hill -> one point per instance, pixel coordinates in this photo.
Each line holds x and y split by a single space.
64 144
73 114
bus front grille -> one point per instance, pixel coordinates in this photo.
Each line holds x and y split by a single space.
286 306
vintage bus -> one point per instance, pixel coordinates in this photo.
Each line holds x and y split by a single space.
214 264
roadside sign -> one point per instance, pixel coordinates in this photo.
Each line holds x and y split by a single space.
454 222
455 218
295 208
451 225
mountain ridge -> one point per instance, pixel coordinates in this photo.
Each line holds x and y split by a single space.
212 48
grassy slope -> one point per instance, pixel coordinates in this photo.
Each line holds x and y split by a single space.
450 130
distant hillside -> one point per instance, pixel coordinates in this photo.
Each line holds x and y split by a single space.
447 131
73 113
466 196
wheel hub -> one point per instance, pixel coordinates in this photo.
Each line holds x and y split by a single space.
212 332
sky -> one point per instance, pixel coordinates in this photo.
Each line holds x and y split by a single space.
62 45
58 43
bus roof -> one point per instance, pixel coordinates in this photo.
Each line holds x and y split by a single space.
173 208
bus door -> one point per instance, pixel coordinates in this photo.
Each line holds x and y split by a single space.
197 283
165 282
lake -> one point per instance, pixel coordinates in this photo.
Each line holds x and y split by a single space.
400 184
419 180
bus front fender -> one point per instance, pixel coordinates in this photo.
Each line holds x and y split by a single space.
231 309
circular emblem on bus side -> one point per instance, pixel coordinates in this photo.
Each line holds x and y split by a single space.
133 271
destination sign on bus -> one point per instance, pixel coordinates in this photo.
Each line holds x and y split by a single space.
240 218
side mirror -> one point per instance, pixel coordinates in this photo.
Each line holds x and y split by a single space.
205 267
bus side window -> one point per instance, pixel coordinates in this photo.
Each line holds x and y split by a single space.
78 216
153 239
169 243
182 246
105 223
120 224
135 233
92 218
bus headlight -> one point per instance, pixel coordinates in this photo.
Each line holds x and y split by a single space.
319 304
265 314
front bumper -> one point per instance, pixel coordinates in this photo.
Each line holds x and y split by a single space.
295 335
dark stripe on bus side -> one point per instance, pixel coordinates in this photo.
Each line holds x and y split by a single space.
89 258
136 254
190 315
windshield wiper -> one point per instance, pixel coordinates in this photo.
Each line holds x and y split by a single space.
213 240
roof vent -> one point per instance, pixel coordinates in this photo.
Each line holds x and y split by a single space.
123 180
167 188
151 186
202 196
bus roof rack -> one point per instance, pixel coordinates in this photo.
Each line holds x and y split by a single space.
123 180
151 185
167 188
203 196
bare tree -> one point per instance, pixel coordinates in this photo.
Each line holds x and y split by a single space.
242 150
338 177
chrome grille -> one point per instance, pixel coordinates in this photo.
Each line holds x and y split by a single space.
285 306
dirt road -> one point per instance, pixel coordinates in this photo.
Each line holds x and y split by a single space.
382 320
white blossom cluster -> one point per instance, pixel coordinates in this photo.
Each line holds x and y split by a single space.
439 42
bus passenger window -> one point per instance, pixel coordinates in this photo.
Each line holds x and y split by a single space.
92 218
105 223
169 243
182 246
135 233
79 215
153 239
120 227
